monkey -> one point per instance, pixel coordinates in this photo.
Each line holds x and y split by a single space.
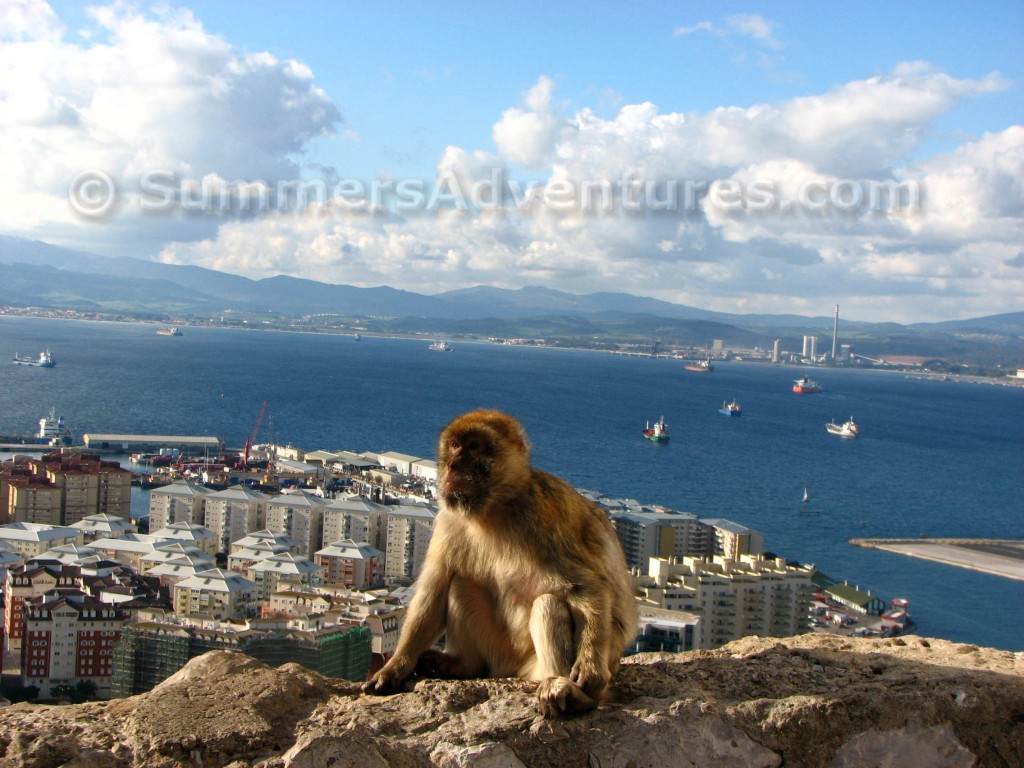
523 576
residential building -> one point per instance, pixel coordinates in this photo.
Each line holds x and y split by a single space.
234 513
197 535
399 462
34 500
90 485
299 514
281 542
647 532
733 540
284 571
409 532
104 526
69 639
180 502
216 593
30 540
667 631
356 518
179 568
735 597
353 564
131 549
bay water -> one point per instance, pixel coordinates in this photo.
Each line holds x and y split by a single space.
935 458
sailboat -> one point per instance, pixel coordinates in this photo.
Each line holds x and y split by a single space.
807 496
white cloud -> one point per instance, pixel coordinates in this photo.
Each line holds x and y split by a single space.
148 91
748 25
143 91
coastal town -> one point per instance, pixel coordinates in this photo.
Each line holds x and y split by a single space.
312 557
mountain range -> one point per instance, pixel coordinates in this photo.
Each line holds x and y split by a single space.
37 274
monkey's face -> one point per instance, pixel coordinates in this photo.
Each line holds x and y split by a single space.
479 453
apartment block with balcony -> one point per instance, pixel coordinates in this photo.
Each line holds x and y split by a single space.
299 515
234 513
192 534
216 593
352 564
180 502
735 597
409 532
29 540
69 639
284 571
356 518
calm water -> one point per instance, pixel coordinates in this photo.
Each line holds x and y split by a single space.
934 459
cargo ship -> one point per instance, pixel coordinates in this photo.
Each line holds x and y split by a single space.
168 332
699 366
45 360
659 432
848 428
805 386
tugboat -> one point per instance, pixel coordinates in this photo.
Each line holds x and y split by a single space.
658 433
848 428
805 386
45 360
731 409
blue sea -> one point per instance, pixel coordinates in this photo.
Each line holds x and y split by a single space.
935 458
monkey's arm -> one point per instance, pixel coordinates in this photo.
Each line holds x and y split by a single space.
424 623
591 611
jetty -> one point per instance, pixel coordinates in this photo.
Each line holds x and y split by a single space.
999 557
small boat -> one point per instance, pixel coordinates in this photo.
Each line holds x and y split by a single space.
659 432
848 428
805 386
168 331
699 366
807 496
45 360
731 409
440 346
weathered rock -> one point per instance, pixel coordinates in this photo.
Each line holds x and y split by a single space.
814 700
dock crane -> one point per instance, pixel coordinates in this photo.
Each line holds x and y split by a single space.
252 438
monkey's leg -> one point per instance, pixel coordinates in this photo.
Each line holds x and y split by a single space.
551 627
472 635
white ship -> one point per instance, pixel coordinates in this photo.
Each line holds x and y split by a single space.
848 428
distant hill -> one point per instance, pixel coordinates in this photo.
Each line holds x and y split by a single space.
34 273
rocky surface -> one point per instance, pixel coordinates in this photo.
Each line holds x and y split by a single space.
814 700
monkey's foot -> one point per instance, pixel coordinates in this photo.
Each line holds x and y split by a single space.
560 696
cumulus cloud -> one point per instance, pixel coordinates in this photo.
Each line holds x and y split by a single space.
142 92
766 207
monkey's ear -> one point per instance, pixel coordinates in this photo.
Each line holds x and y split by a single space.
514 432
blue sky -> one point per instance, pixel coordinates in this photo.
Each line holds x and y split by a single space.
789 97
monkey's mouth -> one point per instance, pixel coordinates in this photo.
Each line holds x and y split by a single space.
462 485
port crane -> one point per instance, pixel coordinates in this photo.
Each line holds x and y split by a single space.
252 438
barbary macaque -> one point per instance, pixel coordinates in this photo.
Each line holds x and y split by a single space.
523 576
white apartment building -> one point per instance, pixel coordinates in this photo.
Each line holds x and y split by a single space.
356 518
177 569
189 533
103 526
217 594
298 514
234 513
284 571
748 595
29 540
647 532
180 502
409 532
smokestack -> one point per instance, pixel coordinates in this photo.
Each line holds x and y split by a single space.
835 334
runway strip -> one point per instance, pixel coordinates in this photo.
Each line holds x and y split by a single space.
1000 557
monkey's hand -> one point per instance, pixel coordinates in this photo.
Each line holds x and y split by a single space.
388 680
592 675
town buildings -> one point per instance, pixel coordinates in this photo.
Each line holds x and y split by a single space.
180 502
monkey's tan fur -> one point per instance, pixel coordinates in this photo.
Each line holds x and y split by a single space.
523 576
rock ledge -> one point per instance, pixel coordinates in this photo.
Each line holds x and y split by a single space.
814 700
